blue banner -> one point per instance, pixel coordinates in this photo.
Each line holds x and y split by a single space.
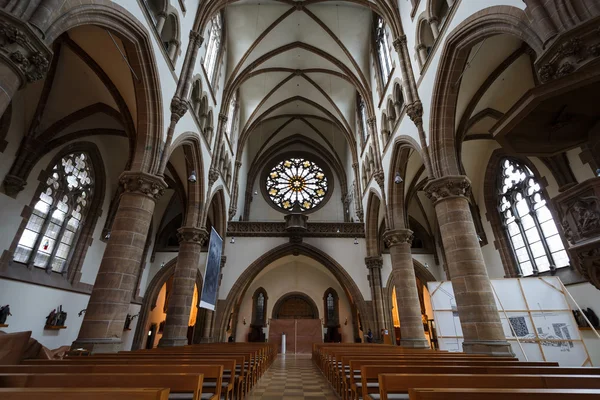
210 288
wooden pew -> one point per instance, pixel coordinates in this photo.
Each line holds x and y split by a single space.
392 385
503 394
369 375
177 383
84 393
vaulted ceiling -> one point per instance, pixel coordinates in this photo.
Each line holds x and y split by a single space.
297 70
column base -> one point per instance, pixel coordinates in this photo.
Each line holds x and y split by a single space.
98 345
415 343
499 348
172 342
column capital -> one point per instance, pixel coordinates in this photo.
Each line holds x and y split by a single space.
397 236
152 186
415 112
223 118
400 40
196 37
238 164
450 186
190 234
355 165
22 49
178 108
213 175
374 262
420 46
379 177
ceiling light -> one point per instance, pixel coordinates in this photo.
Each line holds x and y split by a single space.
598 172
256 192
479 238
398 179
426 265
107 236
162 264
193 178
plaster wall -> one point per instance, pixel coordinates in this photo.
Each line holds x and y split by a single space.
309 278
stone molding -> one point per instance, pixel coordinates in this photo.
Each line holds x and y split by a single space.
143 183
191 234
278 229
401 40
570 52
374 262
21 48
398 236
448 187
197 38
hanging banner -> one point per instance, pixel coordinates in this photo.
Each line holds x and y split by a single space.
212 271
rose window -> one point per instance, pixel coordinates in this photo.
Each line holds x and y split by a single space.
296 182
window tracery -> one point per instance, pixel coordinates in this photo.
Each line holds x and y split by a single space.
383 51
297 181
213 48
57 216
527 220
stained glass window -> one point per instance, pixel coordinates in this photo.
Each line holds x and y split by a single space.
260 308
297 182
57 215
527 220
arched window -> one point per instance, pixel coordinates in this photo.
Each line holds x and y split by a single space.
231 116
527 220
213 48
259 308
362 118
331 307
384 60
58 212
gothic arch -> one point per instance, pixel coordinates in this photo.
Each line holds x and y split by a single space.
372 224
288 296
150 297
485 23
403 147
138 46
236 294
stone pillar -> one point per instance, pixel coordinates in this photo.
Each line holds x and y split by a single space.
173 47
479 319
108 306
206 335
435 28
407 296
161 18
422 50
24 57
374 265
184 279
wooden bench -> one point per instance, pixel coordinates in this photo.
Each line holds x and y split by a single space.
396 386
84 393
177 383
503 394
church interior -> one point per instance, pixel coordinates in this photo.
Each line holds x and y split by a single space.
274 199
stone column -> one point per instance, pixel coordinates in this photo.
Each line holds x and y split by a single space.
108 306
374 265
407 296
24 57
422 50
479 319
184 279
173 47
435 28
206 335
161 18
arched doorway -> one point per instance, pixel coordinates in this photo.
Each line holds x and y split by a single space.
296 317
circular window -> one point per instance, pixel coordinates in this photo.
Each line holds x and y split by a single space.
296 182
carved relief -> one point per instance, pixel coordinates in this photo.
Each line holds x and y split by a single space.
397 237
448 186
143 183
192 235
22 49
178 108
374 262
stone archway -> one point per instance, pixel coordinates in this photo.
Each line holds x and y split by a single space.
236 294
150 298
303 304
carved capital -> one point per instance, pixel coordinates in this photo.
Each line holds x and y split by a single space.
374 262
238 164
22 49
397 237
399 42
372 121
194 235
178 108
448 187
355 165
379 177
223 118
13 185
415 112
142 183
360 214
196 38
213 175
232 211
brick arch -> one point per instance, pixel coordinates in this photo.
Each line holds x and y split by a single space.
236 294
150 297
138 46
372 224
485 23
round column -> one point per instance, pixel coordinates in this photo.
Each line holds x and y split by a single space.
184 279
479 318
108 306
374 265
407 296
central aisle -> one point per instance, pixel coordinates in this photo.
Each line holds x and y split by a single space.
293 377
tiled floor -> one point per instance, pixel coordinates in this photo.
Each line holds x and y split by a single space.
293 378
